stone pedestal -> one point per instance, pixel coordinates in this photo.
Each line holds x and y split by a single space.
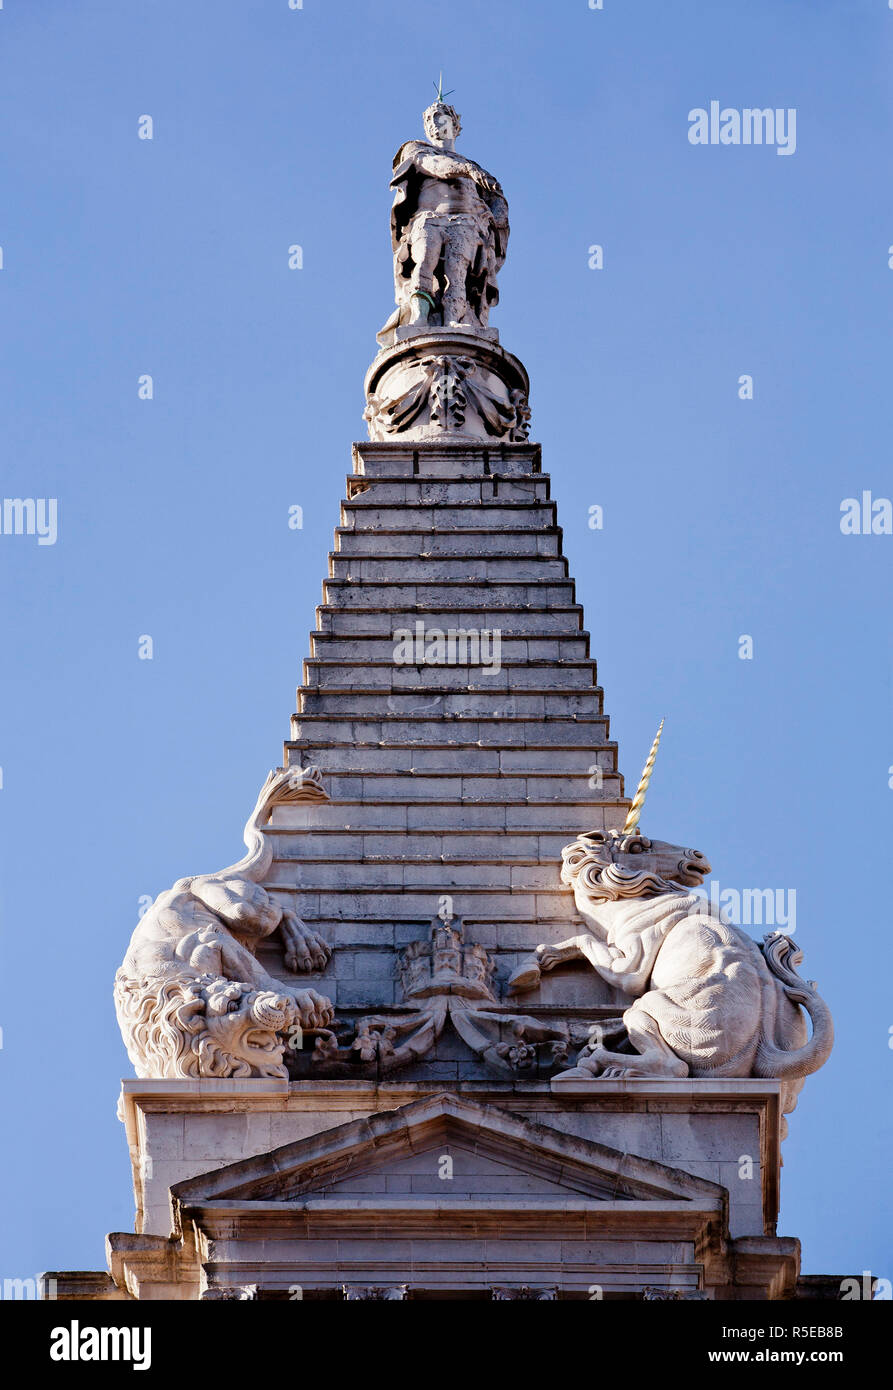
447 383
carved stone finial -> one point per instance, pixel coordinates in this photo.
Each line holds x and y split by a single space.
441 373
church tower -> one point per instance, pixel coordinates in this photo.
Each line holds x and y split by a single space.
454 1027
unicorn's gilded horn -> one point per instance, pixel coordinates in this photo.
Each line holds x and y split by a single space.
638 801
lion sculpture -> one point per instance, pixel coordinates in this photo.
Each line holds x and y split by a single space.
708 1000
191 997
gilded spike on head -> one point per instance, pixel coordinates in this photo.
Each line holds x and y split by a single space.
638 801
441 94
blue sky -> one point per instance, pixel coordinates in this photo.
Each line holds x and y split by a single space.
121 257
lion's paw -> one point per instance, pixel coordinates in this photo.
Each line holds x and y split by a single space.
314 1009
304 949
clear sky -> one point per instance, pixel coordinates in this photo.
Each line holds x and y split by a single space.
123 256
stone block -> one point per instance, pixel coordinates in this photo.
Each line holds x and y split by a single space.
374 965
703 1138
209 1136
357 933
458 565
373 541
745 1219
287 1127
575 760
444 516
430 816
374 993
164 1135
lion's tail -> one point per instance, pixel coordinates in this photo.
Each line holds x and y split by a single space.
781 956
285 784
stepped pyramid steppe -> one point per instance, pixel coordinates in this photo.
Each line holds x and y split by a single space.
445 779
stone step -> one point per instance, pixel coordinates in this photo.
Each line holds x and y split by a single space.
456 704
437 516
458 676
377 675
351 650
455 758
459 759
394 875
372 902
351 935
469 567
349 876
380 544
413 909
471 786
396 846
448 593
511 622
372 460
323 729
566 818
535 487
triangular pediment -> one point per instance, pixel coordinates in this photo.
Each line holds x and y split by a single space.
448 1149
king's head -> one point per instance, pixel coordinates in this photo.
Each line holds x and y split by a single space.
441 121
442 124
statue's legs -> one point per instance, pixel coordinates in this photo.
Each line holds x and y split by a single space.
455 265
653 1056
426 250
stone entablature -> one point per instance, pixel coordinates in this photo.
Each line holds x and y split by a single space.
178 1129
258 1180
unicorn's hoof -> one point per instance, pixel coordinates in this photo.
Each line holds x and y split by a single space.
574 1074
527 976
